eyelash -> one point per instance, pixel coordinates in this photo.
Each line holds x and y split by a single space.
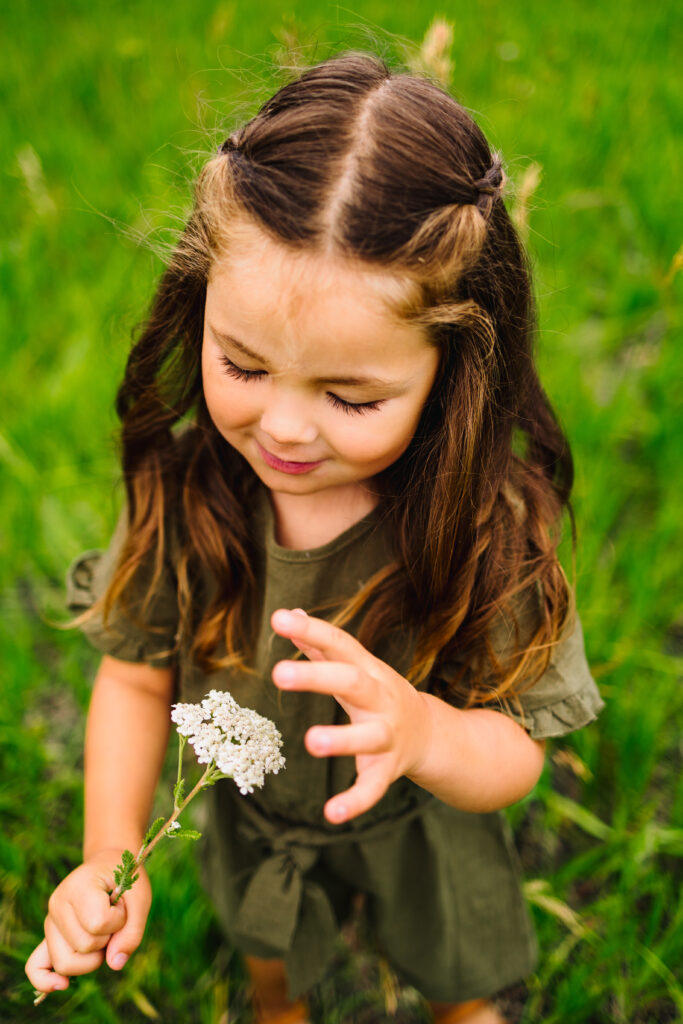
348 407
237 372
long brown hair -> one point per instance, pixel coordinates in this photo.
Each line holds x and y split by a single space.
389 171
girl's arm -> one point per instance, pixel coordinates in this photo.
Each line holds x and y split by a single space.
126 736
478 760
125 742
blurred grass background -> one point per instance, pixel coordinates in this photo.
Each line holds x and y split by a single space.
107 110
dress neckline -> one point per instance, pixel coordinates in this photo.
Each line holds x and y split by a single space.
313 554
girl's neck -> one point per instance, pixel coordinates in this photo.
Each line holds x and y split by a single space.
304 521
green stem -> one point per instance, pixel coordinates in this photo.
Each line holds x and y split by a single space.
211 774
182 740
145 851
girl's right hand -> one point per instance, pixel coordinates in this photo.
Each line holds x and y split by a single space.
82 929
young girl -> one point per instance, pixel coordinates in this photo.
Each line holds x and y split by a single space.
334 440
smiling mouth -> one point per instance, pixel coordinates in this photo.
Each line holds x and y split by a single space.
283 465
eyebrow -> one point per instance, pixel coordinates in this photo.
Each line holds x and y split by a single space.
380 384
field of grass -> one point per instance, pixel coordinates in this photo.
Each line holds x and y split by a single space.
106 111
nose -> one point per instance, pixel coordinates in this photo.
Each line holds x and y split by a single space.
285 419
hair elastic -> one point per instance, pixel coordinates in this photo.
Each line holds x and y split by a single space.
490 185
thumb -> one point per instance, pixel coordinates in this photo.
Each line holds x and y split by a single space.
125 941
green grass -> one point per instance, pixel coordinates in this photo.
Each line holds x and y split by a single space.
104 109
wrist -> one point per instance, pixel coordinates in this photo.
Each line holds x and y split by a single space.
112 848
422 732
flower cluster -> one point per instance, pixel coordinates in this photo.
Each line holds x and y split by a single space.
240 742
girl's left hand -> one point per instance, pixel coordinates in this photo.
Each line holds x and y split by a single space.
388 730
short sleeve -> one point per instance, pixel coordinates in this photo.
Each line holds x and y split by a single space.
132 632
564 699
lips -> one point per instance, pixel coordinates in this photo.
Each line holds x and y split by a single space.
283 465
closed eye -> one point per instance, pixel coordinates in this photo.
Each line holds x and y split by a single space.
352 407
339 403
237 372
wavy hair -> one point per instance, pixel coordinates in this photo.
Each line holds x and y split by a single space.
387 170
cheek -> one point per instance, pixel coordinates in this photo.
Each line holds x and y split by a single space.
230 403
369 438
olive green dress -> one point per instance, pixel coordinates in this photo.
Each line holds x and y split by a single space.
442 886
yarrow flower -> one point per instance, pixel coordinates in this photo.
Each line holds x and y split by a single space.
241 743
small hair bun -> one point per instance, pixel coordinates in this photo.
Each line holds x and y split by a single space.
489 187
230 145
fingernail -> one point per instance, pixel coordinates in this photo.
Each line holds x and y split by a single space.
119 961
299 611
60 985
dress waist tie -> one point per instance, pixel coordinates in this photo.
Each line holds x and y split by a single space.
284 909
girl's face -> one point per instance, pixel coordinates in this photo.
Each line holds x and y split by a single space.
306 370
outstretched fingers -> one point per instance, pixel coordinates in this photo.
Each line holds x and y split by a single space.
339 679
368 789
369 737
372 694
333 643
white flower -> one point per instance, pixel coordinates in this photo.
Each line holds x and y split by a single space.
173 826
241 743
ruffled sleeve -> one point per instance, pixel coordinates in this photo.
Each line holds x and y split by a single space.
136 631
563 700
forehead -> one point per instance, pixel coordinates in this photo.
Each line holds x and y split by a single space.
262 285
